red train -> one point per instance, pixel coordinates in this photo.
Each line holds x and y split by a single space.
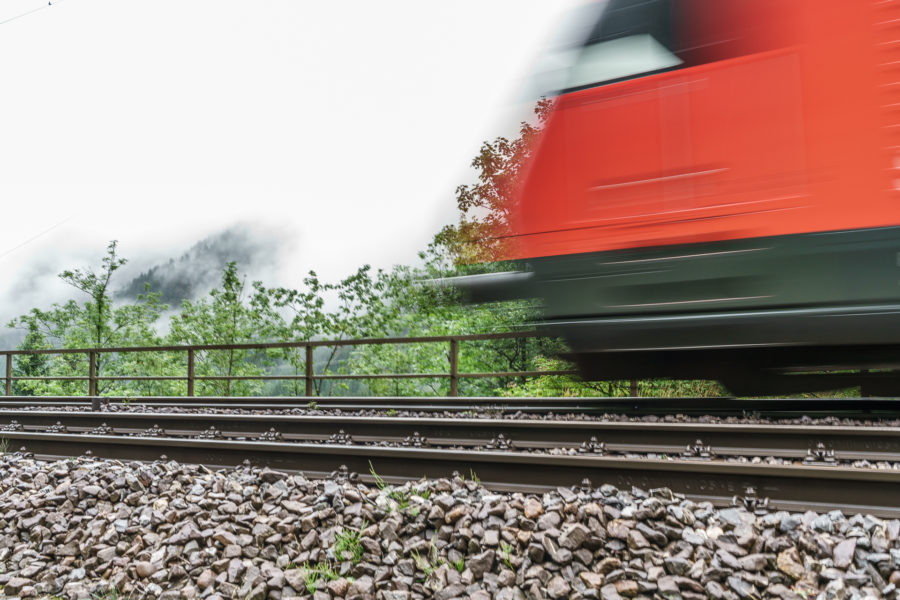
714 194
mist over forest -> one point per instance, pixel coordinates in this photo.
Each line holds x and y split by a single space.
186 276
199 269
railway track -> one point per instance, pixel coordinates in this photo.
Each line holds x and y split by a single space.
763 407
504 454
725 439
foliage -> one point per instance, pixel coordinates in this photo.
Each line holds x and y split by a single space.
506 554
572 386
431 561
95 323
30 365
400 496
423 564
474 477
415 309
485 206
315 573
369 303
360 311
227 317
111 593
347 544
380 483
307 321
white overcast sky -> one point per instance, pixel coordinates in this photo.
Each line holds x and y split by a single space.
341 127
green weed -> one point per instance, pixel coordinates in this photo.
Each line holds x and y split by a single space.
401 496
312 580
347 541
423 564
320 571
379 482
110 594
506 553
428 563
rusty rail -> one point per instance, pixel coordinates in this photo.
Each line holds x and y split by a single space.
872 443
794 487
93 376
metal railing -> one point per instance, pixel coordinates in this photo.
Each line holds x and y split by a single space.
309 376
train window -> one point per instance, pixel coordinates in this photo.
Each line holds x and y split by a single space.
614 40
624 18
630 38
620 58
705 31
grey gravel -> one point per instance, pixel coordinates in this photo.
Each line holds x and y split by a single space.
92 528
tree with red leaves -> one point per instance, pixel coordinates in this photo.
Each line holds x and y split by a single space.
484 206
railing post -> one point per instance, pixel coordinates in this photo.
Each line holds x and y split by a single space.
8 374
634 388
92 380
454 367
309 370
190 374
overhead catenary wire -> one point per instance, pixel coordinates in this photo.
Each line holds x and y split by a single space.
30 12
34 237
49 229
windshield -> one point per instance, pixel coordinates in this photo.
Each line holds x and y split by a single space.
609 41
615 40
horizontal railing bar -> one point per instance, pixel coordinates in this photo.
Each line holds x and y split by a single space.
248 377
385 376
390 398
518 374
141 378
61 378
446 375
297 377
284 345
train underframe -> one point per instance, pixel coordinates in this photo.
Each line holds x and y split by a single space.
775 315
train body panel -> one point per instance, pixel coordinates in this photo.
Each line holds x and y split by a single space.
792 139
735 194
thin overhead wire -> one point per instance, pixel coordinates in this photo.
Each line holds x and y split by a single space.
32 11
69 218
31 239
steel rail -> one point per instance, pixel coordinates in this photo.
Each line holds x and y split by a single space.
787 487
864 407
725 439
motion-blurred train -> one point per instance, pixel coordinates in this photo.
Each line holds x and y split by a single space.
716 194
